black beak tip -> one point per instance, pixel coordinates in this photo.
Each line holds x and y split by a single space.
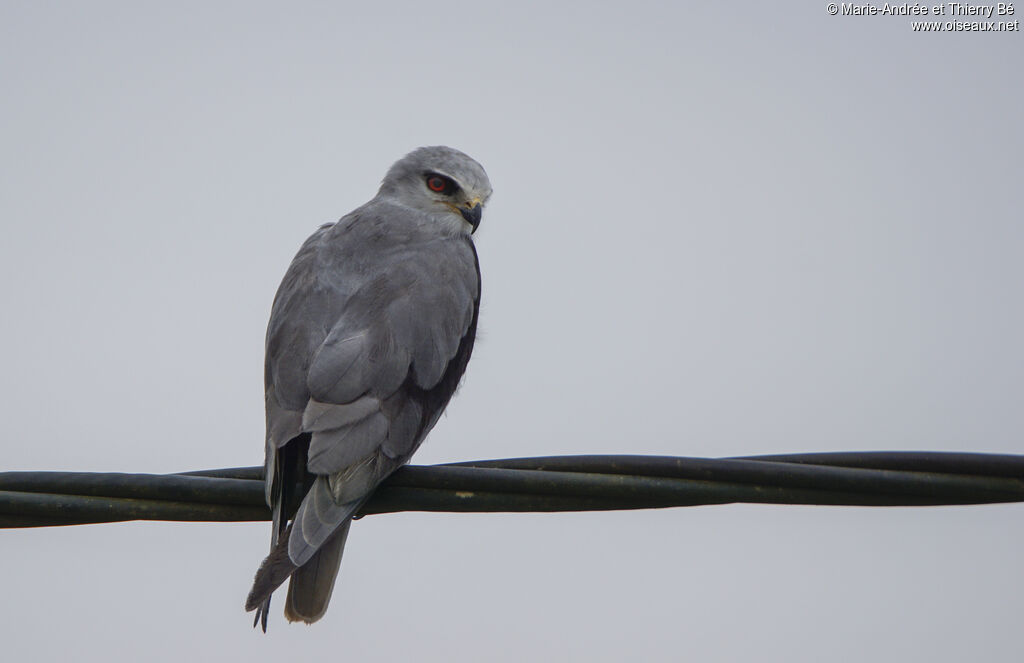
472 215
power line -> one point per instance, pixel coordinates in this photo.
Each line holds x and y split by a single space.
557 483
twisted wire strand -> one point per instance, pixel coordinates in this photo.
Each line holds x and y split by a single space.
545 484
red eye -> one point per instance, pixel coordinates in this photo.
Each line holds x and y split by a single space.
437 183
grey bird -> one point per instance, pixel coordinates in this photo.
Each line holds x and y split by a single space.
369 336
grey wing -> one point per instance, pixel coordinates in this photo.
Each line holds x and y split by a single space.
379 376
299 321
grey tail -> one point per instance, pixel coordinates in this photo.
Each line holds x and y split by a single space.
274 570
285 495
311 584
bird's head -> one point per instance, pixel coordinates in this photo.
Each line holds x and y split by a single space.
442 182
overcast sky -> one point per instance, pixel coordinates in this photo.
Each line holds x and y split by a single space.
738 229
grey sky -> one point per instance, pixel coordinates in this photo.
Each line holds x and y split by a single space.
715 231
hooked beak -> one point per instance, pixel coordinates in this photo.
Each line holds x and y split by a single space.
472 213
